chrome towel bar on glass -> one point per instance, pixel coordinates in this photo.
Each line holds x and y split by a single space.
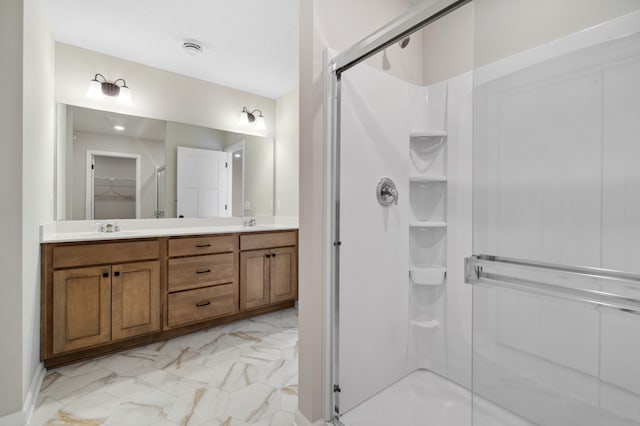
601 287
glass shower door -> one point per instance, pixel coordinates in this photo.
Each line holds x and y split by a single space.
556 227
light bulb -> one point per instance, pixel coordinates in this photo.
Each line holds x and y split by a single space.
125 96
95 90
244 119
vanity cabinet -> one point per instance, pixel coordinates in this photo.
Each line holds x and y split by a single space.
202 281
268 274
93 305
105 296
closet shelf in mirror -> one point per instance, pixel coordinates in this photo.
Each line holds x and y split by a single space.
427 179
427 224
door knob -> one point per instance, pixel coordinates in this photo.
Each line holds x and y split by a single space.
386 192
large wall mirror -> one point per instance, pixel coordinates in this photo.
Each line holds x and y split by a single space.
115 166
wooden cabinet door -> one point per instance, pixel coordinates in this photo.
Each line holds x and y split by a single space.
135 306
81 308
254 279
284 274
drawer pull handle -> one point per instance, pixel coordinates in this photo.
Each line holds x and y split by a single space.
201 304
203 245
206 271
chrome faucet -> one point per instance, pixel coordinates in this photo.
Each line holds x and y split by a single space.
250 222
108 227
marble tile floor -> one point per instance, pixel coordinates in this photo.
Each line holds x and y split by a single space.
243 373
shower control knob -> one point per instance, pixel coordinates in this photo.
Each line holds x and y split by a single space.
386 192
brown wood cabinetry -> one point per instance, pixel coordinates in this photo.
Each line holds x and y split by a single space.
103 296
135 299
81 308
203 279
268 275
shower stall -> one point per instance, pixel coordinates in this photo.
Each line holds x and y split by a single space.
483 207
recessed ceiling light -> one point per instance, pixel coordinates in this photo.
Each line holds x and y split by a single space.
118 127
192 47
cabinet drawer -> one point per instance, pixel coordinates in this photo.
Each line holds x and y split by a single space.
66 256
201 245
192 272
267 240
201 304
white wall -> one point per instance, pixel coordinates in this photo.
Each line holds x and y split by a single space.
11 359
448 46
27 123
37 171
258 174
287 154
505 27
323 24
156 93
152 155
193 137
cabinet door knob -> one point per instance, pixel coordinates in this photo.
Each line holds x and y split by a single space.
201 304
105 275
116 274
267 255
273 255
206 271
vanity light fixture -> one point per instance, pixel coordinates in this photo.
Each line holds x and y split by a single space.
100 86
249 117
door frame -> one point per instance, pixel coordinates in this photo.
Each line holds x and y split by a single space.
240 146
89 181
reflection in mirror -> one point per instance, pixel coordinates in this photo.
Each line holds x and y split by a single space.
114 166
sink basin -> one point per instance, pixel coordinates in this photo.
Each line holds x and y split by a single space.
112 234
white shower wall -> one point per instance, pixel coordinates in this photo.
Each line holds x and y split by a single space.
377 344
556 180
374 258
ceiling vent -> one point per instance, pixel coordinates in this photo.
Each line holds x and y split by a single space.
192 47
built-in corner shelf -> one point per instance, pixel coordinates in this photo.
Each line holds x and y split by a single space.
427 179
432 275
427 224
428 135
427 325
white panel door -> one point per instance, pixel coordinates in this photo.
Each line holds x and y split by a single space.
202 183
374 256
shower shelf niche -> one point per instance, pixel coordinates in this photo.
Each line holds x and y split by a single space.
428 136
432 275
427 224
427 179
427 325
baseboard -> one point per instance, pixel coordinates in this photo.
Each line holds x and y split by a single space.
301 420
31 399
21 418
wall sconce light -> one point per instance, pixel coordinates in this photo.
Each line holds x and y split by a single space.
100 86
248 117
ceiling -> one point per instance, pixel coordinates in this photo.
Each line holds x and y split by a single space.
250 45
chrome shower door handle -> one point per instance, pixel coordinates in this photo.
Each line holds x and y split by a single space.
386 192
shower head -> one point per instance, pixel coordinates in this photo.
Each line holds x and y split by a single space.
404 42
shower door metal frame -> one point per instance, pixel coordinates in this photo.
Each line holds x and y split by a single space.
413 20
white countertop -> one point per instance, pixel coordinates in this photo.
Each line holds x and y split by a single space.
74 231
